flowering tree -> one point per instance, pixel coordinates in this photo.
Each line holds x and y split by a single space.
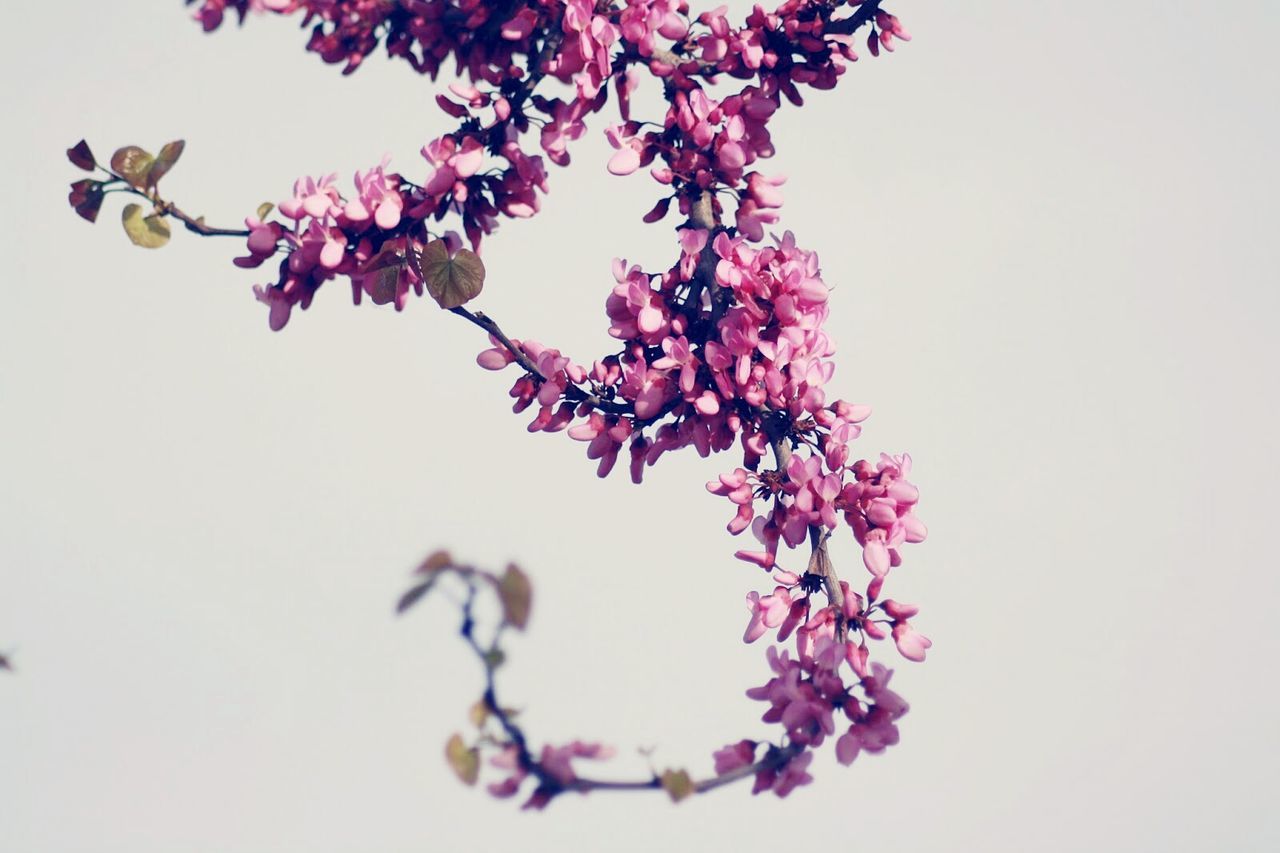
725 349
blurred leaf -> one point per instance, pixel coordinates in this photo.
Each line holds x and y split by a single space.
450 281
464 760
81 156
677 784
149 232
264 210
86 197
478 713
133 164
436 561
517 597
414 595
165 161
494 658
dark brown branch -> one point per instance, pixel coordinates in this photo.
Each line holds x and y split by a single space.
194 224
572 392
774 758
197 224
864 15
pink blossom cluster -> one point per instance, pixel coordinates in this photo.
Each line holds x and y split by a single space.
725 348
805 697
482 37
555 764
704 144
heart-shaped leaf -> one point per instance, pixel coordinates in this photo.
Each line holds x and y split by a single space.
164 161
149 232
381 275
451 281
133 164
464 760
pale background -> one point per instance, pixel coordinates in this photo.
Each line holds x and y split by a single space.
1052 231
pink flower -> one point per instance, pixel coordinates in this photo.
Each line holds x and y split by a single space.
786 779
314 198
735 755
377 197
911 644
768 612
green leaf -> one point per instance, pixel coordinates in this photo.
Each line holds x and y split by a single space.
165 161
464 760
133 164
149 232
452 282
86 197
517 597
677 784
80 155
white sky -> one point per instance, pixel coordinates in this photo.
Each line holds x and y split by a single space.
1052 232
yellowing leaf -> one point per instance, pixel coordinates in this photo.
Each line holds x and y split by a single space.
479 713
164 161
677 784
464 760
149 232
450 281
517 597
133 164
265 209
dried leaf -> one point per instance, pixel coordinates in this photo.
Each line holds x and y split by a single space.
165 161
149 232
452 282
133 164
80 155
517 597
677 784
478 713
464 760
